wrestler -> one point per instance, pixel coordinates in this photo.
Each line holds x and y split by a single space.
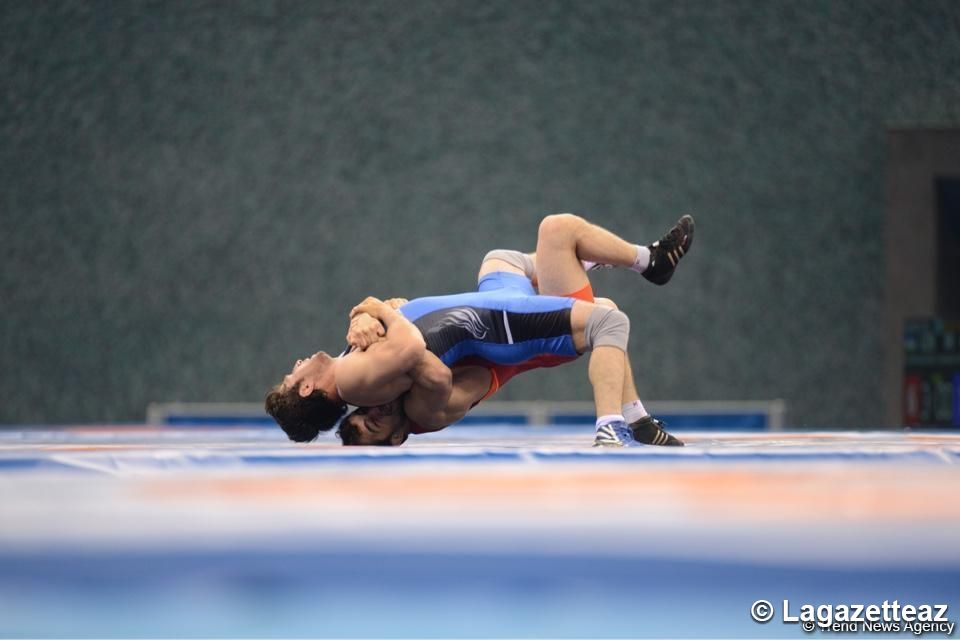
551 330
472 380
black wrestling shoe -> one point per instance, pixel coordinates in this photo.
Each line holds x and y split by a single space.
666 252
649 430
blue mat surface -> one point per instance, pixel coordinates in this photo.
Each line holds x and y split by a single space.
475 532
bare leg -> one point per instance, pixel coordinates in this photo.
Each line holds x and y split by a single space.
604 370
645 428
563 240
607 373
629 386
608 364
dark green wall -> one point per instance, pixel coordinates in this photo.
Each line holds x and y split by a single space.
193 194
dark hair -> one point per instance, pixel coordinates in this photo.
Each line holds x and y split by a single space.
302 419
350 434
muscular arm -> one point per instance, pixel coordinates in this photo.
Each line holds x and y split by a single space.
383 371
426 406
437 396
432 385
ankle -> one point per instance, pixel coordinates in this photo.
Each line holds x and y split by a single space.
642 260
609 419
634 411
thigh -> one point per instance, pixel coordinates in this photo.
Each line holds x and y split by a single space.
559 270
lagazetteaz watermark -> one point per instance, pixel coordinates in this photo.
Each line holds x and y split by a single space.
888 617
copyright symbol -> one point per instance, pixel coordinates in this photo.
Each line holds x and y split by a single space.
761 611
808 626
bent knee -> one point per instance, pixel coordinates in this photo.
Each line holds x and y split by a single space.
607 327
559 223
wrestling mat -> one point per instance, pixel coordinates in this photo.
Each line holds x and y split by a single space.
477 531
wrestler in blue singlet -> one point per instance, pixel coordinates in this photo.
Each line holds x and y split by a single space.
504 322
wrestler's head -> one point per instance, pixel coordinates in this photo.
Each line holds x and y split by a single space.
384 425
306 401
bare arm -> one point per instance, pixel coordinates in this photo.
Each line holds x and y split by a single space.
469 385
430 391
382 371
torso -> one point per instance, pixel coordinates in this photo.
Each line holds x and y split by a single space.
500 327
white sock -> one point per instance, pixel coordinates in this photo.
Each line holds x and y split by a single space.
590 265
607 419
643 259
639 265
633 411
